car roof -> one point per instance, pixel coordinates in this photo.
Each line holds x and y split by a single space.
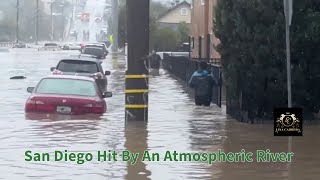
94 44
50 44
81 58
75 77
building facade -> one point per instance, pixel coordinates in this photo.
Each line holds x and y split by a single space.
181 13
203 41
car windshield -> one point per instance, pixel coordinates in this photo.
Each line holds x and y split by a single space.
77 66
93 51
66 87
95 46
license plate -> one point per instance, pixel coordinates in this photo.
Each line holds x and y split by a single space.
63 109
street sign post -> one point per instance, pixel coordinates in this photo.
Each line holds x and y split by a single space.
288 18
288 11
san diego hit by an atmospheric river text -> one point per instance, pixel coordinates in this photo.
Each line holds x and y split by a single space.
171 156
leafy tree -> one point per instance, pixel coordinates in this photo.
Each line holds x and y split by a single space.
252 49
183 32
27 17
165 40
160 39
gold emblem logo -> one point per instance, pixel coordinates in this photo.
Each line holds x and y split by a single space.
288 122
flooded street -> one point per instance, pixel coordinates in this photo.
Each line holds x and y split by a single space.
175 124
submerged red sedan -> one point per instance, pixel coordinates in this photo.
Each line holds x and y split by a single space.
64 94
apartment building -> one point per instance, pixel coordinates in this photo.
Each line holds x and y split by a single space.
203 41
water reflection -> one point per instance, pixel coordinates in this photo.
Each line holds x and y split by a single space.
73 128
207 129
175 123
58 117
136 141
260 137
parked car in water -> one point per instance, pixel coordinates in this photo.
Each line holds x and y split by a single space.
50 47
71 95
83 66
20 45
96 51
71 46
97 19
98 45
106 43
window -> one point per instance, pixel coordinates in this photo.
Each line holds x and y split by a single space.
202 2
184 11
191 4
66 87
192 43
77 66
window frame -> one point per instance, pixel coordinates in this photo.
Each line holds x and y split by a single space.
186 12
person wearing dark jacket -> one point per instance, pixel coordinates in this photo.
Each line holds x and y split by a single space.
154 63
202 82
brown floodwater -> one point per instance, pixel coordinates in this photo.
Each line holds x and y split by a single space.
175 124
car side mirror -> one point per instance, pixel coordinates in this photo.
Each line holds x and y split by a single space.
30 89
107 73
52 69
107 94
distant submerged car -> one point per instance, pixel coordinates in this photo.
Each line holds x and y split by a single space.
71 46
68 95
50 47
95 51
97 19
20 45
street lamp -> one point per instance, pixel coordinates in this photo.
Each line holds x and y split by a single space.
63 19
51 17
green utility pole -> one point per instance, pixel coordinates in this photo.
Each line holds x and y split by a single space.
137 74
51 17
63 21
